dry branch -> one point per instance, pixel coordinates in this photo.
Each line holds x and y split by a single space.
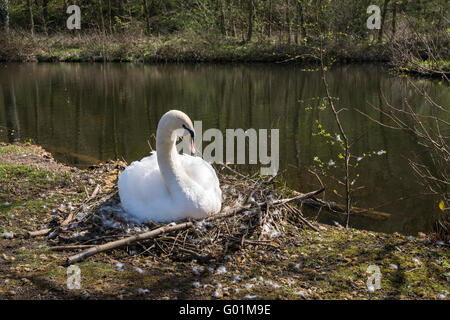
338 208
46 231
74 247
66 221
123 242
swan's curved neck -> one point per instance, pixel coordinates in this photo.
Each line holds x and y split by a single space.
168 161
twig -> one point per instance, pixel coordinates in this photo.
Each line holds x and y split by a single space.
297 198
196 255
68 219
300 216
236 172
94 194
343 133
46 231
259 185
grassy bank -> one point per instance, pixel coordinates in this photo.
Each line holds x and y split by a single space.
191 48
299 264
22 47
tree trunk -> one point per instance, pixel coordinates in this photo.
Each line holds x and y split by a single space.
147 18
302 19
394 17
250 20
221 17
297 22
288 21
45 16
270 18
30 11
110 16
120 9
383 16
129 10
100 12
4 14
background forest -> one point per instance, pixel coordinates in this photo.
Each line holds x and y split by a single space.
413 34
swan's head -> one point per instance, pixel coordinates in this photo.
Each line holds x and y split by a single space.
174 124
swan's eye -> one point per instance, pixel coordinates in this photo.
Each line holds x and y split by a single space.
191 132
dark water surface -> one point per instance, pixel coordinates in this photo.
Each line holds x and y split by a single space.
83 113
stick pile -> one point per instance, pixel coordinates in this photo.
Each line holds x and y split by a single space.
253 213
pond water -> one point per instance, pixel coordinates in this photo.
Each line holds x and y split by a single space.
84 113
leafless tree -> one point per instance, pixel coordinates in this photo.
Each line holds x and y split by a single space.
432 132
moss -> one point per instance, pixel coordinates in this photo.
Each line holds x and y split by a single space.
28 193
22 189
96 270
28 176
349 264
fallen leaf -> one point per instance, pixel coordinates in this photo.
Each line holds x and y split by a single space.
441 205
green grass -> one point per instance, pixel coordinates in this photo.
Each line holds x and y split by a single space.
25 177
13 149
28 194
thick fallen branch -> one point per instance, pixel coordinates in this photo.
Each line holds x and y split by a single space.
170 228
129 240
73 247
337 208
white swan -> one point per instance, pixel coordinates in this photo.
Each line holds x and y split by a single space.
167 186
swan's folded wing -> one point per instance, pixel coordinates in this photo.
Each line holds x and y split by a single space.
141 179
202 172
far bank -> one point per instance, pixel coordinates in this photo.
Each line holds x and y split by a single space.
22 47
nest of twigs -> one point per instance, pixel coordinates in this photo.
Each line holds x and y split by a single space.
253 212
